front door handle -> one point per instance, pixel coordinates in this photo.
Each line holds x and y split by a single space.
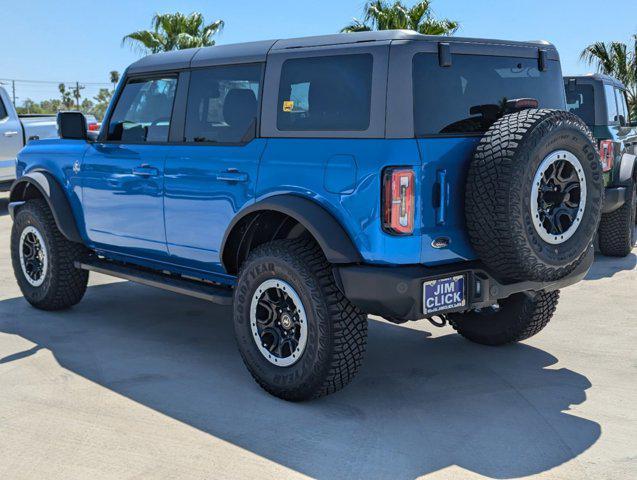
145 171
11 133
232 175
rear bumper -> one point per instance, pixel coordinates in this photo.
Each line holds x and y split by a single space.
397 291
614 198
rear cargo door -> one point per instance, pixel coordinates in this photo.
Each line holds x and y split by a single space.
454 105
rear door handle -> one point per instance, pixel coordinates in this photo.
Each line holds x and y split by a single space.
12 133
145 171
232 175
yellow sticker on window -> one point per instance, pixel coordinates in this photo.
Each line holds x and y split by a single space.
288 105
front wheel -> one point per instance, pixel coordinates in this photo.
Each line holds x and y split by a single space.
298 335
43 259
514 319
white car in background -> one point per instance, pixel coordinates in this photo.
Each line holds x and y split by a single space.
15 131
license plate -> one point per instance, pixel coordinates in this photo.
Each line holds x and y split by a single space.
443 294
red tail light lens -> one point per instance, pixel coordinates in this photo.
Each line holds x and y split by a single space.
93 127
606 154
398 200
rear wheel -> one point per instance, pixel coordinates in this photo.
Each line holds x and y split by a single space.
617 229
43 259
514 319
298 335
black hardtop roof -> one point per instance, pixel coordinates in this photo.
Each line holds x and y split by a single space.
257 51
598 77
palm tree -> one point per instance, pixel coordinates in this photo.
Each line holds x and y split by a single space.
382 15
616 59
174 31
114 77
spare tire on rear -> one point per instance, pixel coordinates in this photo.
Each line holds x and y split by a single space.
534 195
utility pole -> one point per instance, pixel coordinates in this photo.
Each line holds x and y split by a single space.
77 95
13 90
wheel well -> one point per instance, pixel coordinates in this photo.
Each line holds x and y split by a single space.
25 191
255 229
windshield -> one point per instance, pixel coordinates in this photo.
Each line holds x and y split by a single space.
471 94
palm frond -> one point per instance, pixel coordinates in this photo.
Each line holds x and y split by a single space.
383 15
144 41
174 31
356 26
598 54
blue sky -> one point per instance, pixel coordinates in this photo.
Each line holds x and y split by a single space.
81 40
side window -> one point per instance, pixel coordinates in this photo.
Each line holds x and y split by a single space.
611 104
222 103
325 93
143 111
3 111
622 106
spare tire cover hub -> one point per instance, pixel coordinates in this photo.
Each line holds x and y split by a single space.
558 197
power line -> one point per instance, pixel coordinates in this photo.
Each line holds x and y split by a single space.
51 82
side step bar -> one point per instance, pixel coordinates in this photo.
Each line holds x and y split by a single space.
192 288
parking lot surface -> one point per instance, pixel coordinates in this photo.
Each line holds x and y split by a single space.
140 383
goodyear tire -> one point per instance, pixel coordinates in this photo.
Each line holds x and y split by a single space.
43 259
514 319
299 337
534 195
617 233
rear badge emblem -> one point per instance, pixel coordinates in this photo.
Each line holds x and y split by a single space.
441 242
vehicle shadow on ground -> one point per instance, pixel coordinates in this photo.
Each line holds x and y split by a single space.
606 267
420 404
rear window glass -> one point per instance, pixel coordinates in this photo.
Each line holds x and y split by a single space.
3 110
470 95
580 100
325 93
222 103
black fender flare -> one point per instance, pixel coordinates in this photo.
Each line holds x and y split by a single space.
53 194
627 169
335 242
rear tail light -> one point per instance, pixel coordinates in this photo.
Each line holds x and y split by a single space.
606 154
398 201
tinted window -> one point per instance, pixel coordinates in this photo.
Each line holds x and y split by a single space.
469 96
325 93
143 111
222 103
621 105
580 100
611 104
3 110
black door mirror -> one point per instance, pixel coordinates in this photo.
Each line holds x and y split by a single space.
72 126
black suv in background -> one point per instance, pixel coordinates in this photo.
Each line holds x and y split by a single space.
600 100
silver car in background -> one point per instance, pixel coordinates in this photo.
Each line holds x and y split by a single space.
15 131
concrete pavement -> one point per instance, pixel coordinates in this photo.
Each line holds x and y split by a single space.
136 383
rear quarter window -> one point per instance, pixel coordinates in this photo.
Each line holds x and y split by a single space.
331 93
468 96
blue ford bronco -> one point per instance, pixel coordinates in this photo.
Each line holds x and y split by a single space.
311 182
600 100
